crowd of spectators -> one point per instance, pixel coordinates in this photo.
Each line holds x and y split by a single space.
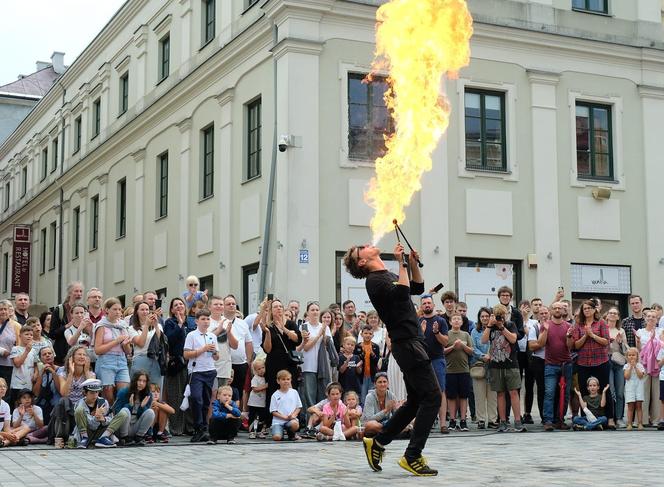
92 372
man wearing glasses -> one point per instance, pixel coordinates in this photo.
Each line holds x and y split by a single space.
390 296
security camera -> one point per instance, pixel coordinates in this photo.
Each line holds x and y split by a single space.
284 142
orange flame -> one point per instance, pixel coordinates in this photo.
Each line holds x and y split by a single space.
420 42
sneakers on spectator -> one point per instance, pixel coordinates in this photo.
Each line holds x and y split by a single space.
138 441
527 419
453 425
374 453
83 442
519 427
481 425
211 442
104 442
578 427
548 427
418 467
463 426
492 425
197 436
621 423
162 437
502 428
322 437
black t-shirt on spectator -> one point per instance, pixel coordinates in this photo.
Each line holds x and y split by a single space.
434 347
393 304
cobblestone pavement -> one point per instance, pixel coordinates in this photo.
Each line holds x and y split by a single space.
568 459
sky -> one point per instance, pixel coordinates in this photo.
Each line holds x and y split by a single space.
30 30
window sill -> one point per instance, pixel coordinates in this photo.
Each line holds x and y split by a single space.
206 44
502 172
591 12
162 217
122 113
597 180
92 250
51 269
76 151
74 258
53 170
204 199
160 81
250 7
250 179
94 137
41 273
120 237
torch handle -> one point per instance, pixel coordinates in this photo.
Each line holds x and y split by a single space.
404 259
398 230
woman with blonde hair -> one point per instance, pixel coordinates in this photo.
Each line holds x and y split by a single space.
617 349
193 294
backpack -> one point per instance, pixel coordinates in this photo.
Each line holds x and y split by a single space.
158 350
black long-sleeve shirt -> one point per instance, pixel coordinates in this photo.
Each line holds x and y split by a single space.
393 304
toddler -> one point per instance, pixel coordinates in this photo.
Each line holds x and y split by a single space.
354 412
225 420
257 410
635 376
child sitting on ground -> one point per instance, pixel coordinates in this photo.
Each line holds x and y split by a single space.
335 411
285 406
92 414
26 417
354 413
6 436
635 377
161 412
225 420
315 414
258 417
593 406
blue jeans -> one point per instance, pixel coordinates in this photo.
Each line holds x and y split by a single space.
201 390
367 385
617 383
552 374
590 425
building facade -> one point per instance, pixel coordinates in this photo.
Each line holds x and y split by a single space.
167 129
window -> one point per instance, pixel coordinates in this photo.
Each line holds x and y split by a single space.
594 147
42 263
207 284
124 93
54 159
24 181
250 288
122 209
44 164
77 134
485 130
600 6
7 191
162 185
254 139
5 272
76 232
207 173
249 3
94 222
53 241
164 56
368 118
96 117
209 16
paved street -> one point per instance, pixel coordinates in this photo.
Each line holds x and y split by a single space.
535 458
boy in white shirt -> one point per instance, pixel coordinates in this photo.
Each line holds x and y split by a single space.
24 358
285 406
200 348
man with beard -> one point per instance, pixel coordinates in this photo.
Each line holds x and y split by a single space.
390 296
556 338
435 330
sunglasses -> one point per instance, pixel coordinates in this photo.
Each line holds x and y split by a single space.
193 284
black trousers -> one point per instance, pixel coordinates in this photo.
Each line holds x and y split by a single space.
535 375
422 400
224 429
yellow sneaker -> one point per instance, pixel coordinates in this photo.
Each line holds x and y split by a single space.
374 453
417 467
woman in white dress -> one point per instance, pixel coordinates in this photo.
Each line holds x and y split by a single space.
394 374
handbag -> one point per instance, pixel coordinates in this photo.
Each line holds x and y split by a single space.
294 357
618 358
478 371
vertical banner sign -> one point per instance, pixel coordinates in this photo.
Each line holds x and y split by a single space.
21 260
